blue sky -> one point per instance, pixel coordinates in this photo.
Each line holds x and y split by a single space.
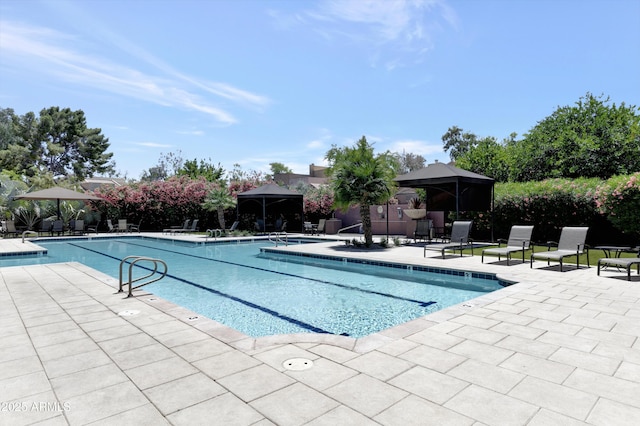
253 82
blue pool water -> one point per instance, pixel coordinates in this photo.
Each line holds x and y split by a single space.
263 294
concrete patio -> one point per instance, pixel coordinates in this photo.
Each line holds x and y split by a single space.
556 348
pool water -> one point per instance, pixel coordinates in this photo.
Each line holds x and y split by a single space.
265 294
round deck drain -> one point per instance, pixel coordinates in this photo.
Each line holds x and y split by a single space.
297 364
128 313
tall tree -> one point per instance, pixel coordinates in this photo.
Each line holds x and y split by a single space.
358 177
588 139
410 162
458 142
205 169
65 145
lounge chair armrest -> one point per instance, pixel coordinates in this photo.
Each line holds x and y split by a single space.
551 244
500 241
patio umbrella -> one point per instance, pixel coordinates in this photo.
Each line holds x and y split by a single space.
56 193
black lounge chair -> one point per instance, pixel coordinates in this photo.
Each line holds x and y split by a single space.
621 262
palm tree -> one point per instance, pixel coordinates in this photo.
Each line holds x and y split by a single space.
358 177
217 200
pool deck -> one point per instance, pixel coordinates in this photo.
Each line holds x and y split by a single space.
556 348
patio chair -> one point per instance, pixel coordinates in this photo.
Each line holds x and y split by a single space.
321 225
519 240
192 228
77 227
9 227
459 239
234 226
122 225
57 227
185 226
423 230
45 227
572 243
134 228
308 228
111 226
621 262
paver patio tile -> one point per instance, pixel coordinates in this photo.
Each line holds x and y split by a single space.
475 321
491 408
629 371
397 347
366 394
159 372
588 361
178 338
19 367
60 350
46 319
614 388
103 403
15 388
42 408
86 381
334 353
429 384
141 356
478 334
110 321
183 392
607 412
562 399
126 343
255 382
226 363
487 375
201 349
324 374
433 358
438 340
49 329
564 340
342 415
144 415
619 352
103 334
546 417
537 367
489 354
74 363
294 405
413 410
379 365
223 409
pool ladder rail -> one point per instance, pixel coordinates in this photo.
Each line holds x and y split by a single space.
276 237
132 260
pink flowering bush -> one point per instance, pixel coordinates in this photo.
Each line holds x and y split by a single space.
318 203
619 200
158 204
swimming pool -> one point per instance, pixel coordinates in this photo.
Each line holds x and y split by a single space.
266 293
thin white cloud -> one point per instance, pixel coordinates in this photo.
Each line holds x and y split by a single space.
47 50
417 147
153 145
191 132
392 32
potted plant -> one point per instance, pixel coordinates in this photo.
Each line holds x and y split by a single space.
414 209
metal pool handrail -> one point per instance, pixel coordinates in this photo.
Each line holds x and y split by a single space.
130 281
278 238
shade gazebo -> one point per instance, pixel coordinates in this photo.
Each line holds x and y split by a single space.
269 202
57 193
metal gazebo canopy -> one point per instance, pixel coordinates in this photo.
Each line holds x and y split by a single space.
56 193
450 188
272 200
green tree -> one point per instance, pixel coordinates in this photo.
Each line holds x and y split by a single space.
65 145
589 139
277 168
410 162
488 157
218 200
205 169
358 177
458 142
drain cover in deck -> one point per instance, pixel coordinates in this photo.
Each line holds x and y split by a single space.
297 364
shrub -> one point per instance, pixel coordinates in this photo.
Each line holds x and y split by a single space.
619 200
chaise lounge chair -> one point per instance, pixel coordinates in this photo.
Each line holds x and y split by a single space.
459 239
621 262
572 243
45 227
423 230
192 228
519 240
77 227
9 227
